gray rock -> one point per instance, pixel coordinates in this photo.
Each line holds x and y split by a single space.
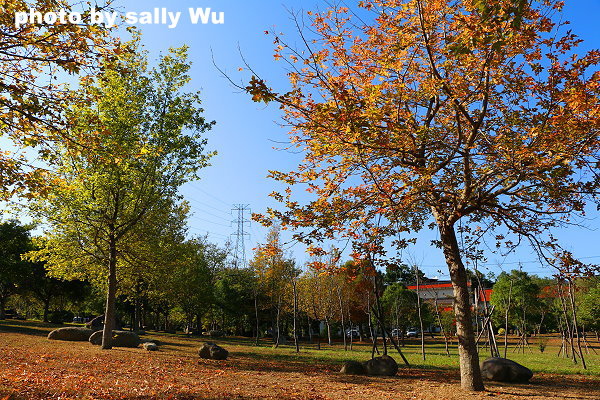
353 368
383 365
97 324
150 346
504 370
120 339
71 333
212 351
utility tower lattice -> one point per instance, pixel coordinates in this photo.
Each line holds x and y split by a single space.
239 255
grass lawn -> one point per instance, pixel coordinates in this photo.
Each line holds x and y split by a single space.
32 367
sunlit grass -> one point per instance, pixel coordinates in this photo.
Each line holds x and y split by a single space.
547 362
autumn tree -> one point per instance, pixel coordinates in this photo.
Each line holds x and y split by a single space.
275 272
417 113
32 58
317 292
145 141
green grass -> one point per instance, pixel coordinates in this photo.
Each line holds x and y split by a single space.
436 357
547 362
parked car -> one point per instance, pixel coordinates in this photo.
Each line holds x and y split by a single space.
353 333
396 332
412 332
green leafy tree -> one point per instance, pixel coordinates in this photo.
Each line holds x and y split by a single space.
400 305
15 240
524 300
589 306
193 278
145 141
402 273
48 290
234 295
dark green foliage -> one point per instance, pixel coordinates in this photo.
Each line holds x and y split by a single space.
15 240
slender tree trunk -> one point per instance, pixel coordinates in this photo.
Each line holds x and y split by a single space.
256 316
328 331
277 337
569 329
373 335
574 315
506 319
295 316
419 314
111 296
439 319
46 309
379 315
342 316
470 374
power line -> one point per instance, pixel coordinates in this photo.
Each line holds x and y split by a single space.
209 221
207 205
210 195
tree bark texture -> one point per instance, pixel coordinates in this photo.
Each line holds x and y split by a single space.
111 297
470 373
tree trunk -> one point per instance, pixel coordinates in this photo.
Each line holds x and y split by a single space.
379 315
574 315
46 309
342 316
2 304
295 317
439 320
470 374
419 313
256 316
277 337
111 296
506 319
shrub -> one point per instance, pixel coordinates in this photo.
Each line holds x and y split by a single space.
58 317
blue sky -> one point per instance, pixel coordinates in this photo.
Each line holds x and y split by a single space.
245 132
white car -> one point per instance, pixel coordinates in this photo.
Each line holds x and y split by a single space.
412 332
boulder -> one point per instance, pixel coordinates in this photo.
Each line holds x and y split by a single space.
383 365
120 339
150 346
97 324
212 351
72 333
353 368
504 370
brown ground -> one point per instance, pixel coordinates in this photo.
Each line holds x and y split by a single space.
33 368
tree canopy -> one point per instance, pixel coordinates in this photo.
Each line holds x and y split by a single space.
438 113
32 57
119 194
